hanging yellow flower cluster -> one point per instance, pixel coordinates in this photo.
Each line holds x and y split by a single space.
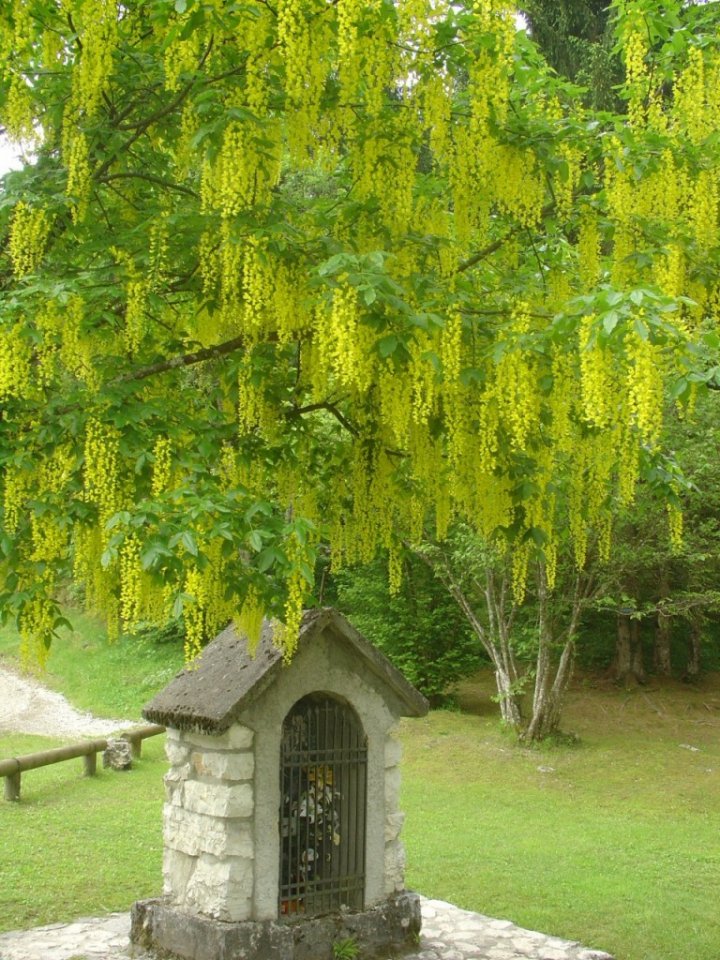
182 54
645 385
28 236
597 376
15 364
250 619
514 389
101 479
206 610
15 493
17 33
341 205
635 50
689 98
162 465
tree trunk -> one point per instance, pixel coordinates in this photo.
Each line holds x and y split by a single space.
661 653
551 681
548 699
628 665
510 701
638 666
692 670
495 640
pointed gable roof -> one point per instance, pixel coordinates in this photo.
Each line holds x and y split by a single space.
209 694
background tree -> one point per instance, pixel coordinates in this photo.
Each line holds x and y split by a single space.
673 593
322 271
577 39
420 628
530 641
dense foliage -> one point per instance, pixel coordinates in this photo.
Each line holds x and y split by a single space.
420 627
577 40
300 270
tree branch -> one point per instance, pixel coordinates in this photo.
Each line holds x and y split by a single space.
151 178
496 244
153 118
331 408
186 359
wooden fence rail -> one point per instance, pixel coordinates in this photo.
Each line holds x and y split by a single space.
12 768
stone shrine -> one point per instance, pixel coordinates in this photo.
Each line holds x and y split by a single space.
282 821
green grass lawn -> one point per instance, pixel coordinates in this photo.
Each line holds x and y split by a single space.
614 842
79 846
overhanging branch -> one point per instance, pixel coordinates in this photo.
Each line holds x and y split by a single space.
331 408
496 244
186 359
150 178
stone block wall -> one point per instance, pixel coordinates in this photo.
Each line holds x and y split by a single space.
394 819
208 823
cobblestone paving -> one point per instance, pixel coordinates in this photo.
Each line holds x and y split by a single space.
448 934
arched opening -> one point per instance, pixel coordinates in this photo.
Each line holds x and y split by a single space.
323 777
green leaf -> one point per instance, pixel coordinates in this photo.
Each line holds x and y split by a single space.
538 536
336 264
471 375
267 557
641 329
178 604
188 541
388 345
610 321
260 506
255 540
121 518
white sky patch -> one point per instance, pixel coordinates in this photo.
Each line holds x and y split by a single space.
10 156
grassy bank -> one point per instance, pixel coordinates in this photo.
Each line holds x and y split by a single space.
614 842
111 679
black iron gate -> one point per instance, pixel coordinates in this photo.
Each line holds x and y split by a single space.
323 776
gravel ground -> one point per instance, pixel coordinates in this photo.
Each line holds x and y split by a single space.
26 706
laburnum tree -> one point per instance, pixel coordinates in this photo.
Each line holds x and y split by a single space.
285 272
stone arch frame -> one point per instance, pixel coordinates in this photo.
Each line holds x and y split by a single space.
265 716
323 807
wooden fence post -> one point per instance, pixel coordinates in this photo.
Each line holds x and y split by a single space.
12 768
12 786
135 745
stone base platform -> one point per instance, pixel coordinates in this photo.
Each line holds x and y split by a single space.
391 927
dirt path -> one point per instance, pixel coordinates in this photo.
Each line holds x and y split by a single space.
26 706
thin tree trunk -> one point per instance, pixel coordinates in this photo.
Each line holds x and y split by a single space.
497 647
661 652
549 693
541 706
628 664
510 702
622 664
638 665
692 670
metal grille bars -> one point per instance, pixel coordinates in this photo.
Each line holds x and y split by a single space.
323 775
